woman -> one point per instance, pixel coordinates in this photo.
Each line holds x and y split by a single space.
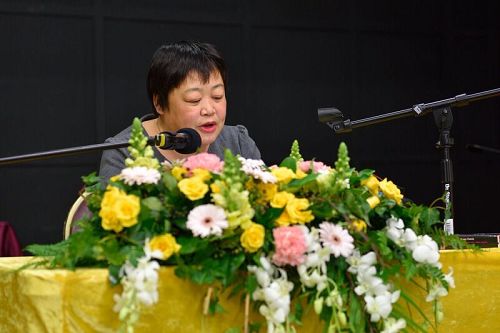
186 87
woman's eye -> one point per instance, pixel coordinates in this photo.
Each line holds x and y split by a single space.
193 101
218 98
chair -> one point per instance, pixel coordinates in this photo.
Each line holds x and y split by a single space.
77 211
9 245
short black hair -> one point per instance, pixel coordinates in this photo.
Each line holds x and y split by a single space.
172 63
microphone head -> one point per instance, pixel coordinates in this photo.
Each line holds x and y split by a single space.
327 115
193 141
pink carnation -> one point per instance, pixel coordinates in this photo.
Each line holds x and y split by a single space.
206 161
317 166
290 245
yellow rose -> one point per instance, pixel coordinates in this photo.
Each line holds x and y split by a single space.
372 184
109 220
127 209
267 190
194 188
118 209
283 220
297 210
283 175
280 199
358 225
252 238
166 244
215 188
373 201
115 178
110 196
390 190
202 173
299 174
178 172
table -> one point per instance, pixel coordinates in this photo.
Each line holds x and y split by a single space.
41 300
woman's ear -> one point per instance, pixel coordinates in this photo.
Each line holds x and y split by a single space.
156 103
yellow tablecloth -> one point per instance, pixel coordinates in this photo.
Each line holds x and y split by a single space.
40 300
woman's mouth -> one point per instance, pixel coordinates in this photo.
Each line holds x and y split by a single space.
209 127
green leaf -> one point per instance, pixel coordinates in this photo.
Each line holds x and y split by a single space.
111 250
170 182
428 217
251 283
357 177
356 314
269 216
152 203
91 179
114 274
191 244
298 183
290 163
323 210
255 327
355 202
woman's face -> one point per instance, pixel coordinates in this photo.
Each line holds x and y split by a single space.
197 105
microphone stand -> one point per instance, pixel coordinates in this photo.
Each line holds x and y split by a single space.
65 152
443 118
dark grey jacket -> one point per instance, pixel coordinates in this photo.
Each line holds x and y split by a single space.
234 138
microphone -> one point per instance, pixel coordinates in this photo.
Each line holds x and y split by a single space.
184 141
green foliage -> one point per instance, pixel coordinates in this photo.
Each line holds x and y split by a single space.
290 163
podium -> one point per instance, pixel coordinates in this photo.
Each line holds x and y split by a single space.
42 300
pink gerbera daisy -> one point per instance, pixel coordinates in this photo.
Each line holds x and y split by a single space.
207 220
336 239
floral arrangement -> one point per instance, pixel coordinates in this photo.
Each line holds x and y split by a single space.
301 234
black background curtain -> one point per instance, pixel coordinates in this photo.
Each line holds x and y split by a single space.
73 73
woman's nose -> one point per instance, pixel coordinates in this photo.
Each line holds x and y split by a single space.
207 109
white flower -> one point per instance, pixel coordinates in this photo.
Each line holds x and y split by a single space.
426 250
256 169
140 175
336 239
207 220
314 278
274 290
395 230
145 270
391 325
378 306
449 278
435 291
369 283
360 263
409 239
